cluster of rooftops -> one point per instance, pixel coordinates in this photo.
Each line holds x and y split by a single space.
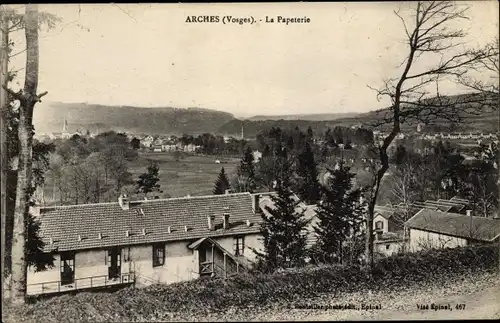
450 217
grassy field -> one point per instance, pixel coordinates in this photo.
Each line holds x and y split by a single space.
194 174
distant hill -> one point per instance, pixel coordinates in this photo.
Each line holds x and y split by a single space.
486 122
252 128
307 117
50 116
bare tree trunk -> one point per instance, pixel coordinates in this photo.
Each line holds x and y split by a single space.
3 136
427 32
28 98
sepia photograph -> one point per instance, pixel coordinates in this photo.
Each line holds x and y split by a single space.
295 161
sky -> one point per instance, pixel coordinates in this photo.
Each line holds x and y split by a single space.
147 55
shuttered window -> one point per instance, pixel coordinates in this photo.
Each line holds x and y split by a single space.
158 255
239 246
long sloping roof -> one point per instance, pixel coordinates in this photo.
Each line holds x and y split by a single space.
453 224
65 224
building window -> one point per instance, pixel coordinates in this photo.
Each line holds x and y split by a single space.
158 255
379 225
239 246
68 261
387 246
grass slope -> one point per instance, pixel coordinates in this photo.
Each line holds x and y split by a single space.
288 288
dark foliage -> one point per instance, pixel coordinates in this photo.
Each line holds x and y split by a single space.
340 215
148 181
246 171
308 187
283 228
222 183
432 267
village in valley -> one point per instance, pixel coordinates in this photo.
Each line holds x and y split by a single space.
224 212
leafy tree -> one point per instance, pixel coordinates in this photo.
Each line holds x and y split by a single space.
135 143
339 213
308 185
246 171
222 183
399 155
35 256
283 227
148 181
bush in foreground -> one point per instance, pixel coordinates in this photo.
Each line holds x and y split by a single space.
213 295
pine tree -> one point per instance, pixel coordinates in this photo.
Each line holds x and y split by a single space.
246 171
148 181
339 213
283 225
310 135
308 186
222 183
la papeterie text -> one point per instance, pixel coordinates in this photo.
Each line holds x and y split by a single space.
249 20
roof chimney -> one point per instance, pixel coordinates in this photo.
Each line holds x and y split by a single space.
35 210
226 221
469 212
144 231
210 221
169 230
127 233
185 228
255 203
249 223
124 202
227 192
99 236
51 241
79 238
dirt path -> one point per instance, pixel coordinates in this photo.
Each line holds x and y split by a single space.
481 304
480 294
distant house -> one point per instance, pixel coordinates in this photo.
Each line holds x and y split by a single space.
168 147
157 148
389 243
387 219
435 229
257 155
189 148
145 242
147 142
388 227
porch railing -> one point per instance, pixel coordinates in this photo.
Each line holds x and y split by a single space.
206 267
79 284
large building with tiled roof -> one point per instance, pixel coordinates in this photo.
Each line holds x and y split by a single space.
148 241
436 229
